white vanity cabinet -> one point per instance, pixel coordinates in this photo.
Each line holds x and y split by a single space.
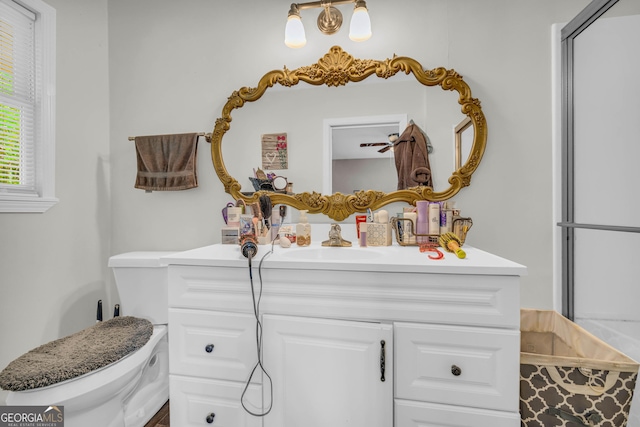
443 333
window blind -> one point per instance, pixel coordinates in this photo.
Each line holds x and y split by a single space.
17 98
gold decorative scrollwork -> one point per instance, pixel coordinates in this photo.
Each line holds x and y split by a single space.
337 68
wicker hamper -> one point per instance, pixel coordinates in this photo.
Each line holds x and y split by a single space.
568 377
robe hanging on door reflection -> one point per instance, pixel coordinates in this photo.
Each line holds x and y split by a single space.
412 158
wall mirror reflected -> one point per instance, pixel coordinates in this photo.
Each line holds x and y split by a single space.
294 114
463 137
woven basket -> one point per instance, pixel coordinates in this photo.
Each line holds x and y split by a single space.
568 377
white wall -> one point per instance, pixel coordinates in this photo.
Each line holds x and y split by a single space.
350 175
194 47
171 66
52 265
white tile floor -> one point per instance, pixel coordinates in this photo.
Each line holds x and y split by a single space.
625 337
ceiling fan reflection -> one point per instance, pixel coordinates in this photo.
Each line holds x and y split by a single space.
386 146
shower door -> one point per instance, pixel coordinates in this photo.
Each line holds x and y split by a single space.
600 160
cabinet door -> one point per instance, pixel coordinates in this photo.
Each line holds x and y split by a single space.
328 372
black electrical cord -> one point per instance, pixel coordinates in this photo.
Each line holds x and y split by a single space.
259 363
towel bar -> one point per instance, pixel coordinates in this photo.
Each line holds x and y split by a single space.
207 136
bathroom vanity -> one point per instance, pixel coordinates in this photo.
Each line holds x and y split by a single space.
349 336
375 337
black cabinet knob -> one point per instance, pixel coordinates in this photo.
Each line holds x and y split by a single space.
210 417
209 348
455 370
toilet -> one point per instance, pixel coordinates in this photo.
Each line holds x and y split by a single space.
129 392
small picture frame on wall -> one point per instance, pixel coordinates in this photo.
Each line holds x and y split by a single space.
275 151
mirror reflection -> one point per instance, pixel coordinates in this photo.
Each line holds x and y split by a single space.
359 153
302 113
463 141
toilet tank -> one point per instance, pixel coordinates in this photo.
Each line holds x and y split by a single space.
143 285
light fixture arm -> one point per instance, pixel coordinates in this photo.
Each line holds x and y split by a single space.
314 4
294 9
329 21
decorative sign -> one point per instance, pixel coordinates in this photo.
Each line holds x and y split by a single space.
274 151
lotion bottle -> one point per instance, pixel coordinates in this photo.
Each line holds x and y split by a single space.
303 230
434 218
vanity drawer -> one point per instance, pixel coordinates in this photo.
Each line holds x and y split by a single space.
192 400
210 288
419 414
210 344
466 366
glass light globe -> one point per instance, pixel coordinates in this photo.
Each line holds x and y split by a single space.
294 36
360 27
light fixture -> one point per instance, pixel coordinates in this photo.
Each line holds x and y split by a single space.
294 36
329 21
360 27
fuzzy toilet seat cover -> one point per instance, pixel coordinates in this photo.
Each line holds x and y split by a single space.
77 354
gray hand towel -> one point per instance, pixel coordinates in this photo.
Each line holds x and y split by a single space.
167 162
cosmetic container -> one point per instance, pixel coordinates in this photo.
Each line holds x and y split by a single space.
422 226
275 224
230 236
434 218
233 216
359 220
246 225
401 226
288 232
363 234
410 229
303 230
378 234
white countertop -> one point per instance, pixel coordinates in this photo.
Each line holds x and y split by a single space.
393 258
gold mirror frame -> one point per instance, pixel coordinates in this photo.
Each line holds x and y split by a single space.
337 68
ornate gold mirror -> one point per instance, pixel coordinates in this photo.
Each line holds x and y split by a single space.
333 70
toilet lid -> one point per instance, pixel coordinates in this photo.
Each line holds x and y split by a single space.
77 354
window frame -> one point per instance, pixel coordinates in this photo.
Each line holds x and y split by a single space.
43 197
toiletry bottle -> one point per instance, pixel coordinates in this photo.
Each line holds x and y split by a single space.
422 225
275 224
434 218
303 230
363 234
410 228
